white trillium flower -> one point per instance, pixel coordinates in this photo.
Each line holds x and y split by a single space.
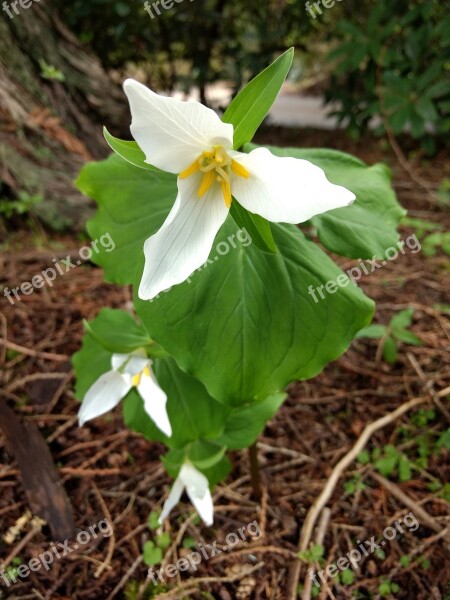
128 371
190 140
197 488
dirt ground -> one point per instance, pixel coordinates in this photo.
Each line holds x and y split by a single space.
111 473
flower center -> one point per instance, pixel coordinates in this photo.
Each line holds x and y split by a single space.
216 166
136 379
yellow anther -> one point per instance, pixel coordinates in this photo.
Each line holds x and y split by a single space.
226 191
216 166
239 170
190 170
136 380
207 181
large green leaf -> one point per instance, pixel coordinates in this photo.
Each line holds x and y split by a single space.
368 227
245 424
132 204
247 110
247 326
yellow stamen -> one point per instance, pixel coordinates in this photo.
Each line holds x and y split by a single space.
238 169
136 379
216 165
207 181
226 191
190 170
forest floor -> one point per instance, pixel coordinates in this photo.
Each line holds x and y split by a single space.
109 472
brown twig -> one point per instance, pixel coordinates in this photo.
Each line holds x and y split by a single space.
332 481
34 353
106 564
321 530
418 511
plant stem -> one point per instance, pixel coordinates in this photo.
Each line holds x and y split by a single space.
254 472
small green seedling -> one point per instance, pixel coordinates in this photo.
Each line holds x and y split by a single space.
51 72
387 588
314 554
390 335
10 208
392 460
153 550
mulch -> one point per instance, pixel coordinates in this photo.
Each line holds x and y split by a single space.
109 472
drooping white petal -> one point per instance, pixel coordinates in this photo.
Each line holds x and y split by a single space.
197 488
285 189
130 364
184 241
103 395
172 133
155 401
172 500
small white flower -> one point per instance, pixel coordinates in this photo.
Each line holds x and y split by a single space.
197 488
190 140
128 371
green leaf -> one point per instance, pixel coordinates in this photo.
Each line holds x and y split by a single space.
217 472
402 319
248 109
257 227
205 455
408 337
347 577
129 151
363 457
374 331
163 540
132 206
245 424
390 350
404 468
206 421
251 311
152 554
91 361
369 226
444 440
153 520
388 462
117 331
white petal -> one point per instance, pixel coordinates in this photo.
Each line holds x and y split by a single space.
285 189
132 363
172 133
172 500
103 395
185 239
155 401
197 488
